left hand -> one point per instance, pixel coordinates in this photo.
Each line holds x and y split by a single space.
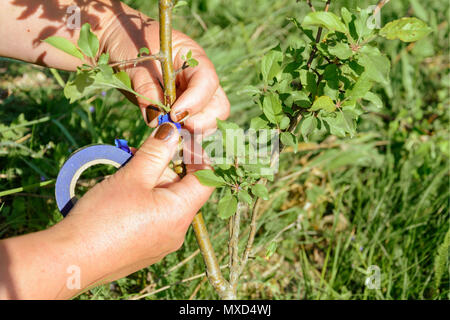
198 90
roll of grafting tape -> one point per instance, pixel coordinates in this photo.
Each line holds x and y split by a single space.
87 157
81 160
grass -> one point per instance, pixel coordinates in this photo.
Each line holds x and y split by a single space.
338 206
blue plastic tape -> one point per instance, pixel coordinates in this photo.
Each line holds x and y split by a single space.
81 160
166 118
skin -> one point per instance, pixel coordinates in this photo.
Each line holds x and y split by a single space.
142 212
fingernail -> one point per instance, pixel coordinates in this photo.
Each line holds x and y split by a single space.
181 116
164 131
152 114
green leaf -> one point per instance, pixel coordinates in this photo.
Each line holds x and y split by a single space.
272 108
335 124
143 51
209 178
124 78
258 123
372 97
375 64
180 4
104 59
405 29
284 123
88 41
271 64
260 190
232 136
307 126
341 122
64 45
288 139
346 15
244 196
300 98
324 19
106 72
227 205
323 103
360 88
192 62
341 50
226 125
81 86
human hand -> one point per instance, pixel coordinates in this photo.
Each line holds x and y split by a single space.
138 215
200 97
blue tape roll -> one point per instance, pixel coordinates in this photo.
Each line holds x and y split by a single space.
81 160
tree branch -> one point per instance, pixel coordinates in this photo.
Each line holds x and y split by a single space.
235 222
213 272
184 66
135 61
165 39
380 5
319 35
310 5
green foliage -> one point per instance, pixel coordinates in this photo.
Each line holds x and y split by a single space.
88 41
209 178
405 29
191 62
227 205
94 78
325 19
64 45
323 103
260 190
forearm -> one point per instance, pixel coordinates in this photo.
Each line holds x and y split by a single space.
35 266
25 25
58 263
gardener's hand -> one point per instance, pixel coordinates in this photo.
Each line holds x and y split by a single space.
200 98
141 213
122 32
125 223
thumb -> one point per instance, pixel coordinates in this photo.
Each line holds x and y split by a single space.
153 157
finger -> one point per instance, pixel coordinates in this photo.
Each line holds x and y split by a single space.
147 83
202 83
168 176
148 164
205 121
189 195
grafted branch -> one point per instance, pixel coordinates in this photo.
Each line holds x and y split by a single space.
213 271
165 36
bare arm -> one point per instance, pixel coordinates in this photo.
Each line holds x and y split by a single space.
25 25
123 224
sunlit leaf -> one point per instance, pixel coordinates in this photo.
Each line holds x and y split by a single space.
405 29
